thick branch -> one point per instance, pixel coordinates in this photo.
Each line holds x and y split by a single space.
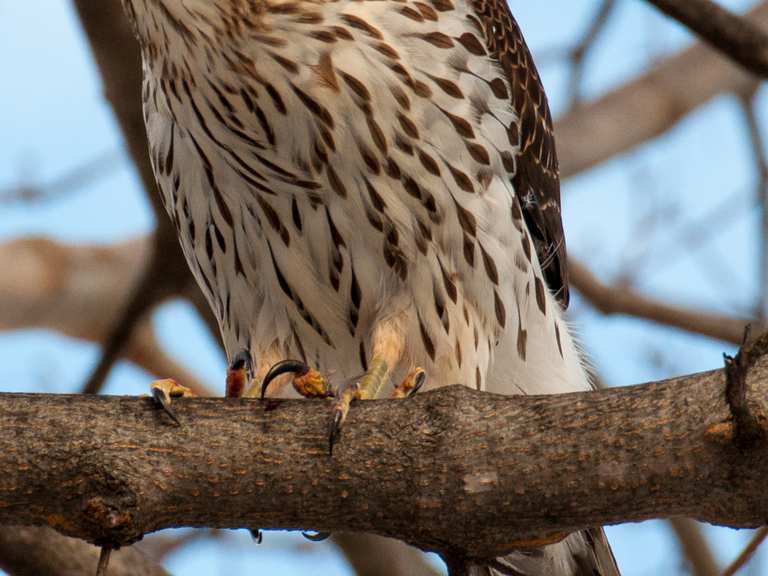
452 470
736 37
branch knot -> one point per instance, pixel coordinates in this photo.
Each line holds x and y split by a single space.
748 430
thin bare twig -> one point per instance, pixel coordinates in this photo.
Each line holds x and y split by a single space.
760 535
577 55
694 547
757 142
70 181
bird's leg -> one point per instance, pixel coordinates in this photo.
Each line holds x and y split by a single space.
238 377
239 374
388 343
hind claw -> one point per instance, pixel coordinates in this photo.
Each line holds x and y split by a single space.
306 381
163 392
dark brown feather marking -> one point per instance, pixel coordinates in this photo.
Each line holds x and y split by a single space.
490 266
472 44
450 287
449 87
377 134
437 39
469 251
429 163
541 300
429 346
478 152
501 313
313 106
296 214
427 12
461 125
522 342
336 184
408 126
462 180
361 24
363 356
443 5
411 13
356 86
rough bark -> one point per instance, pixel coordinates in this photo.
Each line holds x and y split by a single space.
452 470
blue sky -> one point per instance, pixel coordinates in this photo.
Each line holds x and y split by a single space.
55 119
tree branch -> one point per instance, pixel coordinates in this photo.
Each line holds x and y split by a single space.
624 300
78 290
36 551
453 470
649 105
734 36
694 547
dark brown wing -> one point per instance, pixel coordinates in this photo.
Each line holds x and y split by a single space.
537 176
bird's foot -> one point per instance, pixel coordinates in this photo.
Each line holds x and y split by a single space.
306 381
368 387
411 384
163 391
312 384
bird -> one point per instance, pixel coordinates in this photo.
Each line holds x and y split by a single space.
367 192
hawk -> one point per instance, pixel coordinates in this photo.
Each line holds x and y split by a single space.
369 186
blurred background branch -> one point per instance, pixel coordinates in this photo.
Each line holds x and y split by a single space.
106 292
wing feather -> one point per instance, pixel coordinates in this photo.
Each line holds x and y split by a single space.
537 178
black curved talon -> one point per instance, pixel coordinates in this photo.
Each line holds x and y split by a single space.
257 535
283 367
421 378
162 400
316 536
334 431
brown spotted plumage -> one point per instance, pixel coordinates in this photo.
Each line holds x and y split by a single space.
368 186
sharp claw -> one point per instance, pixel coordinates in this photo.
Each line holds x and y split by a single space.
335 430
257 535
283 367
316 536
162 399
421 377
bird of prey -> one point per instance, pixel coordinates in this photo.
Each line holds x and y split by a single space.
367 187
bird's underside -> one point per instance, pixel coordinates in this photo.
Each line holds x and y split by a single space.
369 188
